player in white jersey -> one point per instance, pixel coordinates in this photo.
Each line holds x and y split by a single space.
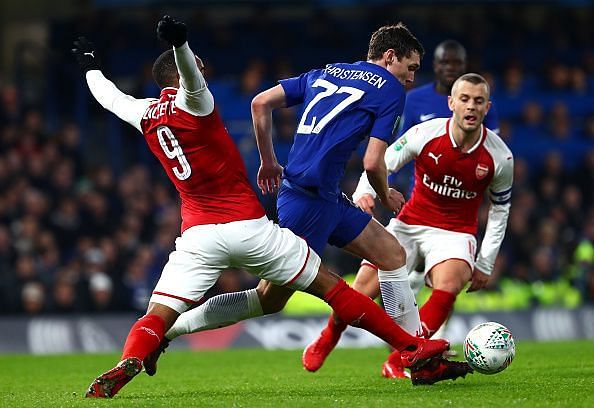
456 161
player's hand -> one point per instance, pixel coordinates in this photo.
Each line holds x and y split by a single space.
172 31
366 202
478 281
269 177
394 201
85 54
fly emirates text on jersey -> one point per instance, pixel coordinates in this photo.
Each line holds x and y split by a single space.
450 187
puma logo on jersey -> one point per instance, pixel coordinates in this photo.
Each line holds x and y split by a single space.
426 116
92 54
434 157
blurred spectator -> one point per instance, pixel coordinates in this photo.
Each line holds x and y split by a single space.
543 265
513 80
33 298
532 116
558 77
65 222
66 296
579 81
9 104
560 122
101 292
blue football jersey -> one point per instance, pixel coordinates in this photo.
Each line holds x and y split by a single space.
342 105
424 103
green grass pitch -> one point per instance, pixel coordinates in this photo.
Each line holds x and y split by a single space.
542 375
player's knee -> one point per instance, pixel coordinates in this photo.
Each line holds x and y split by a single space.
451 276
450 284
393 258
400 254
268 301
269 307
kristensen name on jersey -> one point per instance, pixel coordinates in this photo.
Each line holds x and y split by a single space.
366 76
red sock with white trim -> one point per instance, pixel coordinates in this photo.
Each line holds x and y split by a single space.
436 310
359 310
144 337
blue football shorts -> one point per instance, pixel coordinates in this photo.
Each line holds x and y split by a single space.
317 220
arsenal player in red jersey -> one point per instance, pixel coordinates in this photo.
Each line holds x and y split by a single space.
457 160
223 224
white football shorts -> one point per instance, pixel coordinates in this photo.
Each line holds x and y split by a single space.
260 246
434 245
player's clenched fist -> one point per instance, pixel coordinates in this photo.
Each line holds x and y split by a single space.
85 54
366 202
394 200
172 31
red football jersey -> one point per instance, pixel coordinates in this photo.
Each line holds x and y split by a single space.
202 162
450 184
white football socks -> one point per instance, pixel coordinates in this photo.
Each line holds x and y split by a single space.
416 280
399 299
219 311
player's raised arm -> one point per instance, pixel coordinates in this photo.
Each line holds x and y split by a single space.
126 107
270 172
500 194
193 95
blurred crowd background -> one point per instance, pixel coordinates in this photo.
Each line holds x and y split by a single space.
88 218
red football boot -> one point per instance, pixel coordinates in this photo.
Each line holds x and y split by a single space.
439 369
108 384
424 351
393 367
150 361
316 352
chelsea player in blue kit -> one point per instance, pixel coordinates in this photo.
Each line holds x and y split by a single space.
343 104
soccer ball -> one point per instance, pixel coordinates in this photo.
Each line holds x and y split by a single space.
489 348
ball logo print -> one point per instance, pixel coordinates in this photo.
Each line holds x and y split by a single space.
489 348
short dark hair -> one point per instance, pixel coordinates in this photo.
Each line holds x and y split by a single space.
448 45
397 37
165 70
474 79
